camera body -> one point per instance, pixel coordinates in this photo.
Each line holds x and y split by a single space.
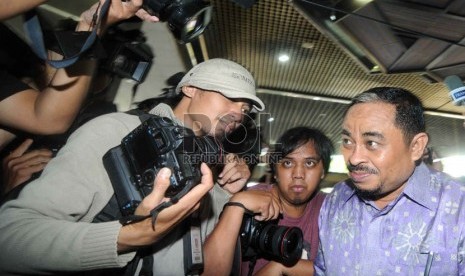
128 54
130 60
269 240
157 143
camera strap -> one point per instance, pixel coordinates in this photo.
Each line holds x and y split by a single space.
153 214
192 246
238 204
33 31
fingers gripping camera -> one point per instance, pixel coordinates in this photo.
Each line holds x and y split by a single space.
157 143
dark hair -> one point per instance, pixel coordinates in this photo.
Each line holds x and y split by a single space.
298 136
409 109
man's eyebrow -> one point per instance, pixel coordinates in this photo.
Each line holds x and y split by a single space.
365 134
309 157
373 134
346 132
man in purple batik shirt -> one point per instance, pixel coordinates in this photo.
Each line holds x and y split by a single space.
393 216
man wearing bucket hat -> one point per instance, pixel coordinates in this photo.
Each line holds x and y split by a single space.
233 85
74 187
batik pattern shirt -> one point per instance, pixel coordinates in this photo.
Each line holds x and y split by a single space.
419 233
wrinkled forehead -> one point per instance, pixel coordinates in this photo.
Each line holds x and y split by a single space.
369 118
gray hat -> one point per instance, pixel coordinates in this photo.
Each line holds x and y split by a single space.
223 76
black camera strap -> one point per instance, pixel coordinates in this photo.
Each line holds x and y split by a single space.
33 31
238 204
193 245
153 214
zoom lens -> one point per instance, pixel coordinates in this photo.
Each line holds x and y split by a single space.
280 243
186 19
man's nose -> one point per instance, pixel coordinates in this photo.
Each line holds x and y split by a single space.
298 172
236 112
355 155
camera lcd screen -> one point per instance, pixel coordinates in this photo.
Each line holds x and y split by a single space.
142 151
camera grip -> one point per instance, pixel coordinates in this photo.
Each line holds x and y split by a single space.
126 192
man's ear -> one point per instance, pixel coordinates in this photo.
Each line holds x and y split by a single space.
189 91
418 145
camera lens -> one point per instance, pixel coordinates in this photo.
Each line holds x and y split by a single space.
196 24
192 25
291 245
281 243
186 19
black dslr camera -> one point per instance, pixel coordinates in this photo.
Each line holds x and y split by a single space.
157 143
128 54
271 241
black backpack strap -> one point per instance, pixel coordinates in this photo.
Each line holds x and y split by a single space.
110 212
146 256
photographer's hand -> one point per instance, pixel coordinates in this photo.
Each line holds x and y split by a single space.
219 246
235 174
10 8
118 11
20 164
264 203
141 233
